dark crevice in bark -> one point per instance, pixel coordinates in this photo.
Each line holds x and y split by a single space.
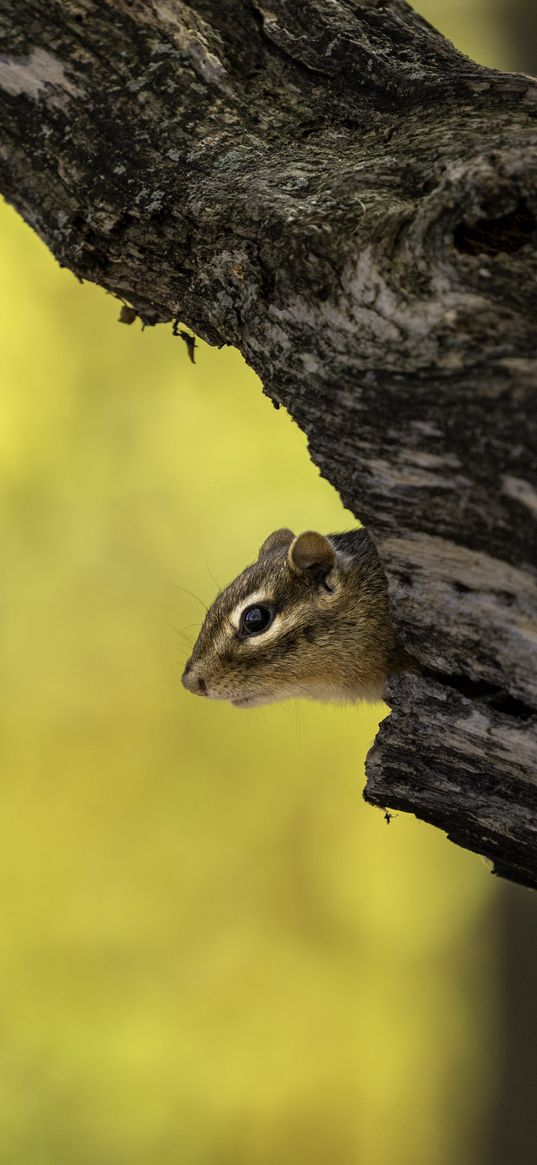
481 692
491 236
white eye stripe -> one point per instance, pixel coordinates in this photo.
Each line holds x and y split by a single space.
257 597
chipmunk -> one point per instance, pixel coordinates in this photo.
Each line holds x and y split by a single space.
309 619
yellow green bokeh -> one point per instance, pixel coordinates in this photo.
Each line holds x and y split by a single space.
211 951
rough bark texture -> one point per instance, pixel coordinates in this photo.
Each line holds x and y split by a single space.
332 187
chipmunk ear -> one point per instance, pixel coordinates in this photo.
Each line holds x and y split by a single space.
279 540
311 552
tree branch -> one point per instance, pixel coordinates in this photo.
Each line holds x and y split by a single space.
334 189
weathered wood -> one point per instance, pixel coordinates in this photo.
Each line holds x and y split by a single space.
332 187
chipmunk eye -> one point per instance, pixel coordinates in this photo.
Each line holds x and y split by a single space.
255 619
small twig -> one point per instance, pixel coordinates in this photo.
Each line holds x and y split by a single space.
189 340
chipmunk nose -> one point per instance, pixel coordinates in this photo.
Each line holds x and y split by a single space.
192 682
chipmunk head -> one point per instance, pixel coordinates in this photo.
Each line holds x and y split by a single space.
309 619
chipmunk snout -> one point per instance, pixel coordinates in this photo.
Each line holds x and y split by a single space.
192 681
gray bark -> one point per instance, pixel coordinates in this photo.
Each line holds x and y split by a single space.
334 189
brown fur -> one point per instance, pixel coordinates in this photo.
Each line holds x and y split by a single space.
331 638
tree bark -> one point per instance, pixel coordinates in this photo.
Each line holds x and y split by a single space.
334 189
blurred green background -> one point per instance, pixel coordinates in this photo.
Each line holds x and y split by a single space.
211 951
